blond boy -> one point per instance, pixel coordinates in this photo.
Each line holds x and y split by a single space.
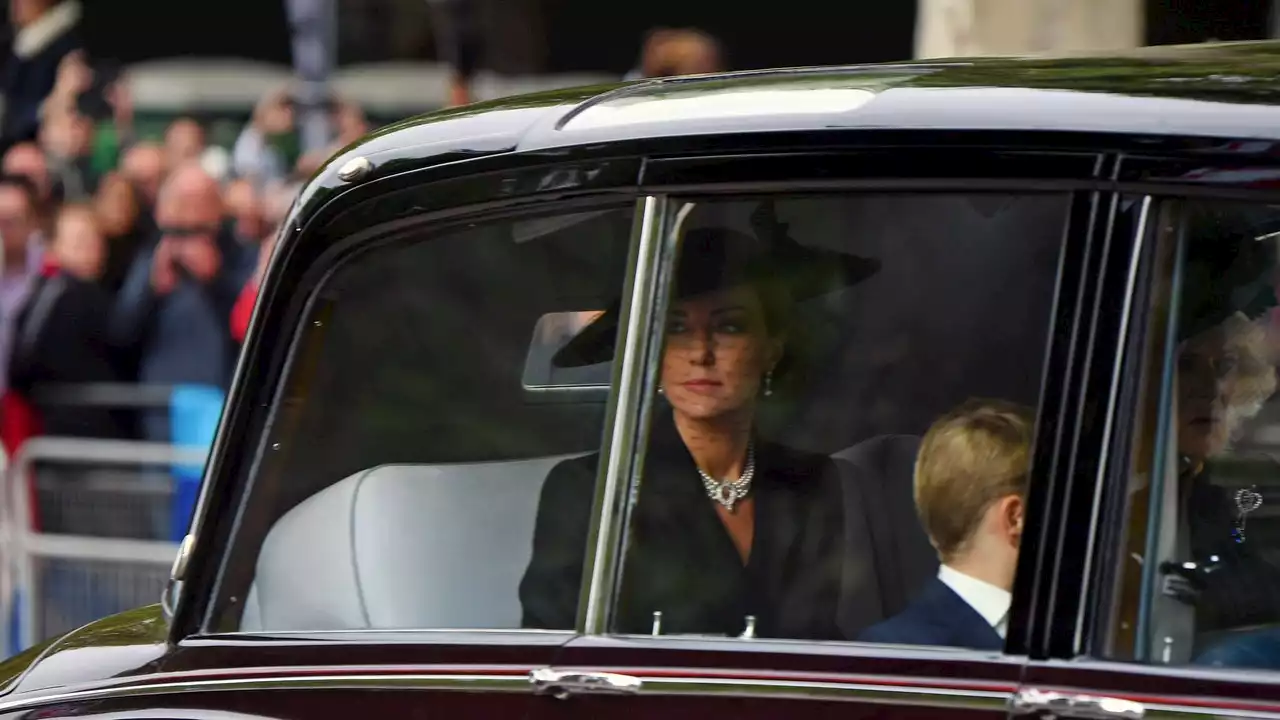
970 492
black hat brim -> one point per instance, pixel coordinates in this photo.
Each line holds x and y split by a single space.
807 273
1230 268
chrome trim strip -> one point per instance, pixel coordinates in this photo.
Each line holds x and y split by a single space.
1160 711
1166 706
432 633
830 692
517 680
644 275
825 691
1113 399
466 683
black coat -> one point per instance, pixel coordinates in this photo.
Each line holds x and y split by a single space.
27 81
1242 587
681 560
60 337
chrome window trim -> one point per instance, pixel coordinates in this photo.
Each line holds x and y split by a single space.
450 218
1139 241
1164 426
626 438
850 648
247 635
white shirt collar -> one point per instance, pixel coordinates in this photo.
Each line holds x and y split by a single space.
991 602
57 20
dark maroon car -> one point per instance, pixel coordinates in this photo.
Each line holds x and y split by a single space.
1093 239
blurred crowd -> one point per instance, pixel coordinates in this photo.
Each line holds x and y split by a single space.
126 259
129 259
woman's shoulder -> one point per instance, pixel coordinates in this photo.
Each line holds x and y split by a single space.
575 476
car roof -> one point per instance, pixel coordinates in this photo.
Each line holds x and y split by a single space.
1227 91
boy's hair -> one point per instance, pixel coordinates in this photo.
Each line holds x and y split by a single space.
970 458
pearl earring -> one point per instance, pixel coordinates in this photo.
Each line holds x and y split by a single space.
768 383
661 391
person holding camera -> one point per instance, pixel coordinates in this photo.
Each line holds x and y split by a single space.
175 302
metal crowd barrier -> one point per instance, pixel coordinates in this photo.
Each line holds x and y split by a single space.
103 543
64 576
113 395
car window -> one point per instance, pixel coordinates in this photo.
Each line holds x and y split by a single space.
411 446
1198 574
550 335
826 361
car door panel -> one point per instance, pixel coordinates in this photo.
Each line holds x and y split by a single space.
297 698
1108 656
1132 688
451 673
766 679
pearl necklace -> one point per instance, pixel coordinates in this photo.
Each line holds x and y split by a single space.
729 492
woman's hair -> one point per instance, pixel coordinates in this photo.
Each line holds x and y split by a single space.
1255 370
969 459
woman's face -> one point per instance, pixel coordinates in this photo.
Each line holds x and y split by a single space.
79 246
1224 375
1205 375
717 352
183 141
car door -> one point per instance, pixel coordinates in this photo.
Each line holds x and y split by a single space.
379 472
977 294
1178 601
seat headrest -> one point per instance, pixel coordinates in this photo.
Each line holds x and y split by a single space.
886 454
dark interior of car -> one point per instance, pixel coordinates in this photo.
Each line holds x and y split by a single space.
426 345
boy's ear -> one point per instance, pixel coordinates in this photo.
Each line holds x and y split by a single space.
1013 514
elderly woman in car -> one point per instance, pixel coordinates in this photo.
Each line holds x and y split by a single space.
1215 579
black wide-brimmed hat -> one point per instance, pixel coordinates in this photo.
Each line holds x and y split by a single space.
1230 268
717 258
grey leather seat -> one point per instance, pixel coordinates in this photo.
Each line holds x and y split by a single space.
445 546
402 546
888 555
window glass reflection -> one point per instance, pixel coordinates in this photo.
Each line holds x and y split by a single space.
809 343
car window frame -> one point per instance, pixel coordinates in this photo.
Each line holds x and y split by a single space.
334 258
674 179
1076 663
1163 181
1021 617
858 672
1111 501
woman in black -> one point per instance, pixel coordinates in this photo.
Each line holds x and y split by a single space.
726 524
1218 578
